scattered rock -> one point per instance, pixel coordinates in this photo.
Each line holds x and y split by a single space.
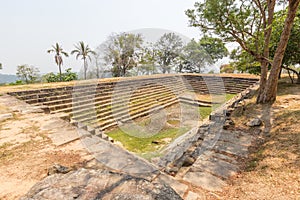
155 142
254 122
188 161
228 123
6 116
58 169
172 170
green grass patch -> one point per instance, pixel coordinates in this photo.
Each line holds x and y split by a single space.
174 122
229 96
205 111
144 145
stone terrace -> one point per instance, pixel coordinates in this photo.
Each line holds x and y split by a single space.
100 105
211 155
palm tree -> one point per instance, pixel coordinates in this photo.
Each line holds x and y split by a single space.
58 56
84 51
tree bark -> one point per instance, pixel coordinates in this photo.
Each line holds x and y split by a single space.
270 91
266 52
59 66
263 79
84 68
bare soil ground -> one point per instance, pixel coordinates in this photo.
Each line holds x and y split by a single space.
27 152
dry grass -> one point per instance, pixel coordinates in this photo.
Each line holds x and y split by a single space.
273 169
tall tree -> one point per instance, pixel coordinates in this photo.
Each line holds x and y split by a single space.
83 51
248 22
57 49
27 73
196 55
168 49
121 51
245 62
292 53
147 64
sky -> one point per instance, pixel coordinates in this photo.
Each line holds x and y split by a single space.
30 27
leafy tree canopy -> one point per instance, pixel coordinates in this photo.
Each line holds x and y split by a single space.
168 49
121 51
28 74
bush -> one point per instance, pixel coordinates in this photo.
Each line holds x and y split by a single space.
67 76
18 82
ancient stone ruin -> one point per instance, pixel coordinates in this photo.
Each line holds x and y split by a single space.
205 156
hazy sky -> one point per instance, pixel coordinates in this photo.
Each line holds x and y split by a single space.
30 27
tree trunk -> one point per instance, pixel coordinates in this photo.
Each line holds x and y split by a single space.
270 91
60 79
298 78
292 80
279 76
263 79
266 51
84 68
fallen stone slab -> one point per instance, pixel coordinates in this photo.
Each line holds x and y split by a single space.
225 158
205 180
236 137
180 188
231 148
194 196
86 184
63 136
216 167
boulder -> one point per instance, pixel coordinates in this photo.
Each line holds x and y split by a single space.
254 122
86 184
57 168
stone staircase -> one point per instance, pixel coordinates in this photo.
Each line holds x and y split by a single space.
102 105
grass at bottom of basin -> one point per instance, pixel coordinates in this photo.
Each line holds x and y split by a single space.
205 111
146 145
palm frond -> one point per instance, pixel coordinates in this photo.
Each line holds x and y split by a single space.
75 51
65 54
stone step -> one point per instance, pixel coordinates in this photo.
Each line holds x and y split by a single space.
149 97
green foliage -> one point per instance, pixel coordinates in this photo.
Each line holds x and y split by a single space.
197 55
214 47
121 51
244 62
292 53
243 22
67 76
167 51
147 63
229 19
18 82
28 74
227 68
0 65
